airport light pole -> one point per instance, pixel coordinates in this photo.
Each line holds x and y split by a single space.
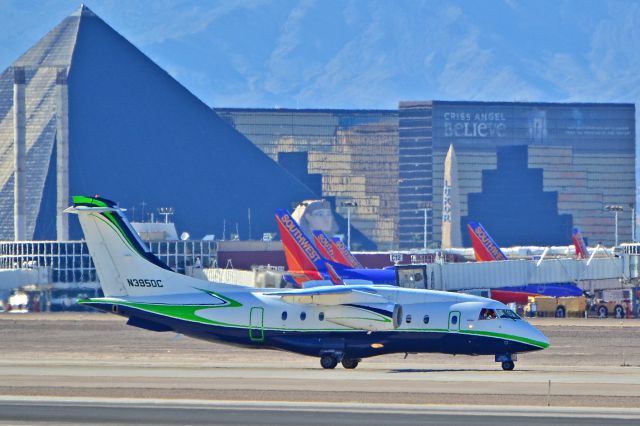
425 206
349 205
615 209
166 212
143 204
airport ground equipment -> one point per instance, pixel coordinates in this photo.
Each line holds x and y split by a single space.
559 307
618 303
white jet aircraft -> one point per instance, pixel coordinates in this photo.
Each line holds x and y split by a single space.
335 323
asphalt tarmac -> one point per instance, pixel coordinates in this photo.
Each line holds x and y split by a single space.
89 364
167 412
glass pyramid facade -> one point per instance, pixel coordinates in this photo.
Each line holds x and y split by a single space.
135 135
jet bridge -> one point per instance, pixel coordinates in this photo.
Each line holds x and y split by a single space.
459 276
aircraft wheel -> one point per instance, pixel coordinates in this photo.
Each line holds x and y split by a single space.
619 311
328 361
350 363
508 365
560 312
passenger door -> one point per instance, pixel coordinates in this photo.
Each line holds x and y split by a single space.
256 324
454 320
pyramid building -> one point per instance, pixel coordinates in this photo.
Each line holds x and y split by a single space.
85 112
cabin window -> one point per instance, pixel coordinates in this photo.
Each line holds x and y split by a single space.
488 314
425 319
454 319
321 316
303 316
408 319
284 315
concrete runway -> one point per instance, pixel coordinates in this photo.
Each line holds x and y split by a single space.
592 364
71 411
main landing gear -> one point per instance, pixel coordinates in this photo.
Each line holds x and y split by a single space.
507 361
330 361
350 363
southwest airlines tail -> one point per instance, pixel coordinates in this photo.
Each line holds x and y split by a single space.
334 250
124 264
578 242
484 247
345 256
303 259
323 244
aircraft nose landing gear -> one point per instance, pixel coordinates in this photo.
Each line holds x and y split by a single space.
507 361
508 365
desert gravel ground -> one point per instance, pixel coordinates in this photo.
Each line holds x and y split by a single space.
590 363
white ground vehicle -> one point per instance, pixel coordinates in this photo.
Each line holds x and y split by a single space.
617 303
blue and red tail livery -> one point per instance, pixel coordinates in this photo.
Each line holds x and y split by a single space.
323 244
578 242
343 255
335 278
484 247
306 263
301 255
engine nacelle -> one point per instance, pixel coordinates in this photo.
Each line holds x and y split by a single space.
365 317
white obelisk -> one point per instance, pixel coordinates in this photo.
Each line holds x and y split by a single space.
451 203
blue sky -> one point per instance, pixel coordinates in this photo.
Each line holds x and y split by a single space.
367 54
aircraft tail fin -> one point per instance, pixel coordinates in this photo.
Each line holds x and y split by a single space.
484 248
331 251
323 244
581 247
300 253
335 278
124 264
345 256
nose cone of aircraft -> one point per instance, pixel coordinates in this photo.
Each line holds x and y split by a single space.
536 337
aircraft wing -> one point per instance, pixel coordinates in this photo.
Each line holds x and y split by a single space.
360 308
331 296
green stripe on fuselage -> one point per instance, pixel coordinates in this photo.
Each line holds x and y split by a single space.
231 303
532 342
182 312
188 313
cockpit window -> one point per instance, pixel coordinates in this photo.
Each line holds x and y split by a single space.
491 314
488 314
508 313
